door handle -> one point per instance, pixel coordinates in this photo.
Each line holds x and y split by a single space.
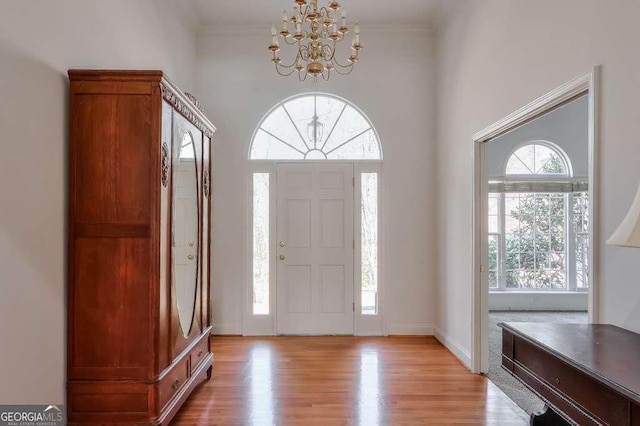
282 257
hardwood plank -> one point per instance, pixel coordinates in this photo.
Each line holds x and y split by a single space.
343 380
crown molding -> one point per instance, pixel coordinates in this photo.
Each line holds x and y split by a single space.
252 30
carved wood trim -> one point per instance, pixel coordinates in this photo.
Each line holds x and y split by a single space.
206 183
165 164
187 110
194 100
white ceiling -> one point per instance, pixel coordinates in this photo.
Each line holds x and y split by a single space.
265 12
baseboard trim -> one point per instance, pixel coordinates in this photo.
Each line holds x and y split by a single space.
454 347
222 329
410 329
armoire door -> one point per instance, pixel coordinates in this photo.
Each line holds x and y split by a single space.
186 234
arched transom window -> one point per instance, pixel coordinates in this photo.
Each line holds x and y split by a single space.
537 159
315 127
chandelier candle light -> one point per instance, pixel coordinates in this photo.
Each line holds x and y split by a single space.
316 36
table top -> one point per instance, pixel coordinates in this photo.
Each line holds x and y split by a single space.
605 352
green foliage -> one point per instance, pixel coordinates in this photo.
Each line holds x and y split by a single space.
535 247
553 166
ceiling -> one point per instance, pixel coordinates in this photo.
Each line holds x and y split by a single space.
266 12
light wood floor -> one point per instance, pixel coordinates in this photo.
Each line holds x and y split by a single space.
343 381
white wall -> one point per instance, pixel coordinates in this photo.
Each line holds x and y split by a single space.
394 85
39 41
567 127
495 56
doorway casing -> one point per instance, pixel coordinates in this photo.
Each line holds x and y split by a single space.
364 325
588 84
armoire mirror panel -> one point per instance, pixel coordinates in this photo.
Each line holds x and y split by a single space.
185 247
138 303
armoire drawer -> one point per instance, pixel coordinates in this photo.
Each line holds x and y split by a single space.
173 381
199 353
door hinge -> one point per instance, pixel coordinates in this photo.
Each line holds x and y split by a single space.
482 269
353 306
353 244
354 181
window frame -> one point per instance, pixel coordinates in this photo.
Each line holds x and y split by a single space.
315 95
364 325
569 233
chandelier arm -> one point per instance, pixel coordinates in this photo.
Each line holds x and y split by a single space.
284 74
341 37
350 69
327 53
295 60
287 66
290 43
327 76
300 75
304 14
335 60
339 65
324 13
303 52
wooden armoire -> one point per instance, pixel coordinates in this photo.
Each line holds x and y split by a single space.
138 248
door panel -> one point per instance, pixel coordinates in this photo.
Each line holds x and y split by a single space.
315 253
298 289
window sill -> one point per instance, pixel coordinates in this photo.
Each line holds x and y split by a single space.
537 292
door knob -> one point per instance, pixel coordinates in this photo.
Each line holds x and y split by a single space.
282 257
190 257
282 244
191 244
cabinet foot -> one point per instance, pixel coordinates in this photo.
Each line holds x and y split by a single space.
548 417
209 371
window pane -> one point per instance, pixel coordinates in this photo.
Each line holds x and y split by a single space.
261 243
267 147
581 229
280 125
536 159
493 261
364 147
493 212
369 247
351 124
547 161
315 127
535 240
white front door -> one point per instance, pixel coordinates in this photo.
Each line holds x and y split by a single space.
315 248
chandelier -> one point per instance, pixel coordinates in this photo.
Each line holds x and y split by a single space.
316 38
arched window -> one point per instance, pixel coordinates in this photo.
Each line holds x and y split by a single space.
538 223
315 127
538 159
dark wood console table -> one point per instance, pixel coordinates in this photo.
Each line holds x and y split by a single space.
589 374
